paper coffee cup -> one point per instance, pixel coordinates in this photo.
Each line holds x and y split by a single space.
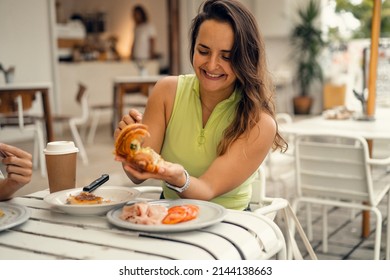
61 159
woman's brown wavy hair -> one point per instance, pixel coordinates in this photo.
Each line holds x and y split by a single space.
249 64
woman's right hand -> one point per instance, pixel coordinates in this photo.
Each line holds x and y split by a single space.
134 116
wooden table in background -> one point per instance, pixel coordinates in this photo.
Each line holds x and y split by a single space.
128 85
32 89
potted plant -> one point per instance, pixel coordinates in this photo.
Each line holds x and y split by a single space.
308 44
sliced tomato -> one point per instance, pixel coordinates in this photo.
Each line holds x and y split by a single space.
181 213
172 219
192 212
175 216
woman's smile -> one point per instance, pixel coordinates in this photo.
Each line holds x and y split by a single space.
211 58
211 75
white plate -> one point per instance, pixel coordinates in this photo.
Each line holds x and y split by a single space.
13 215
116 196
209 214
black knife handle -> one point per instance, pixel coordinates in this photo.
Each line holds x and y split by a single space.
97 183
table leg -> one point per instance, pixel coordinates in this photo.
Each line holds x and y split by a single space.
47 115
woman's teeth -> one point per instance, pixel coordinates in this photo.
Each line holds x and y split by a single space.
213 75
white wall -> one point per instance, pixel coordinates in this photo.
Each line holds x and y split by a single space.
25 39
25 42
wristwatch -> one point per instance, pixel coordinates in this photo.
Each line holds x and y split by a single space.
184 187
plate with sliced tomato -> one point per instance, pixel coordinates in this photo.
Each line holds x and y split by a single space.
182 215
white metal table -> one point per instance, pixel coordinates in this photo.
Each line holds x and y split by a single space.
376 129
370 130
50 234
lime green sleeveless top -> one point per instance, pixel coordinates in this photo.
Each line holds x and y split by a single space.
195 147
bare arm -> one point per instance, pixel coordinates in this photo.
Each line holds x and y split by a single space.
236 165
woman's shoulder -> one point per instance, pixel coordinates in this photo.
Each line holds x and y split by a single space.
164 89
170 82
267 123
167 82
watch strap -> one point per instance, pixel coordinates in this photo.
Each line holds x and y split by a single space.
184 187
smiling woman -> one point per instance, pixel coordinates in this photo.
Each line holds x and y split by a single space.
220 118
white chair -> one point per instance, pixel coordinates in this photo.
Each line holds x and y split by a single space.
381 149
96 111
280 168
272 207
16 120
336 170
75 121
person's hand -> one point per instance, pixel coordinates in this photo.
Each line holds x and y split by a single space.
18 166
167 171
134 116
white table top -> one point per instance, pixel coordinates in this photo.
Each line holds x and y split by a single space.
27 85
50 234
376 129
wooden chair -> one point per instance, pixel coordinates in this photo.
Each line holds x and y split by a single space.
334 96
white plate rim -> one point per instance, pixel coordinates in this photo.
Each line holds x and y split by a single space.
113 217
71 208
23 214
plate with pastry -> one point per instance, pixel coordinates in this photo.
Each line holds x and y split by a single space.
167 215
12 215
99 202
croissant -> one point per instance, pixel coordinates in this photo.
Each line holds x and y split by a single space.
129 145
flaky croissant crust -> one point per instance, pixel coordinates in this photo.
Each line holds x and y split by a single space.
129 145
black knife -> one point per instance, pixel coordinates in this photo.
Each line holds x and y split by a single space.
97 183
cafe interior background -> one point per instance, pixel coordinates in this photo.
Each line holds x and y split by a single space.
42 43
